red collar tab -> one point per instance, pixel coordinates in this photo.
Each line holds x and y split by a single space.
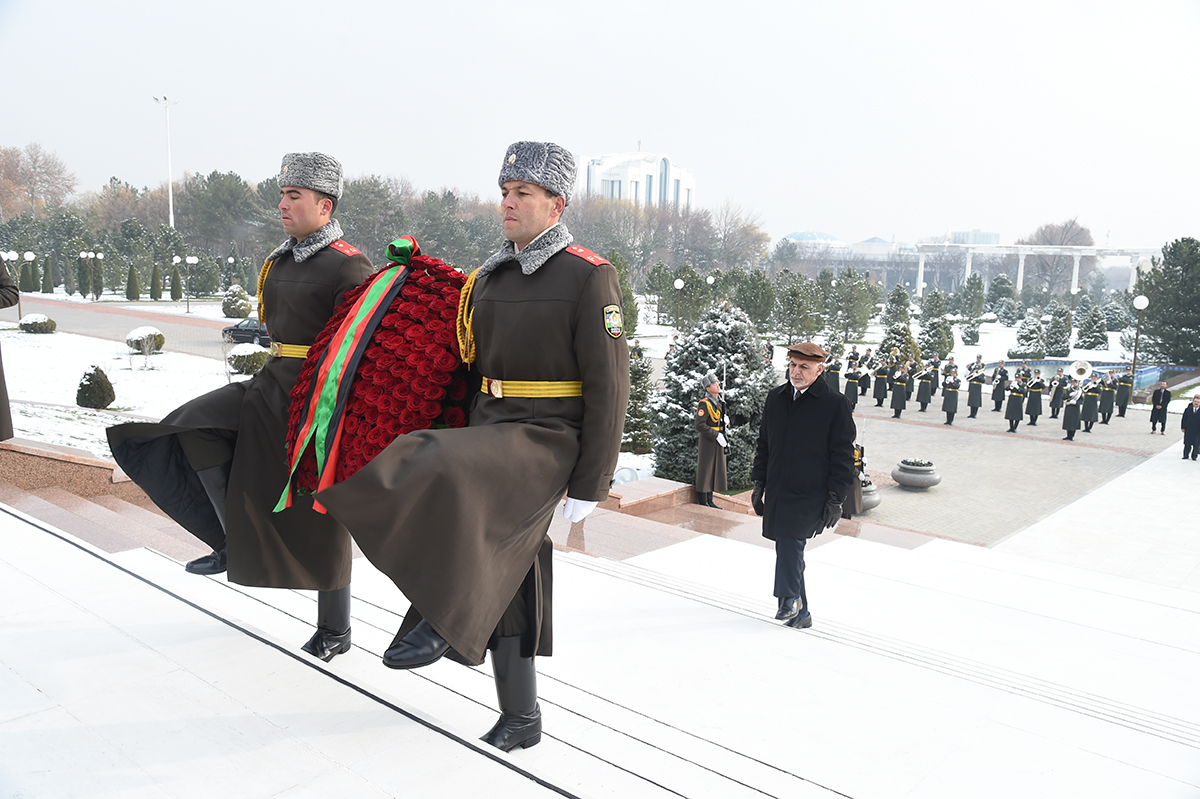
587 255
344 248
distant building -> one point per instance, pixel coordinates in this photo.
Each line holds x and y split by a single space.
974 237
644 178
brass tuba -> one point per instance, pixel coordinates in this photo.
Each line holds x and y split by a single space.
1080 370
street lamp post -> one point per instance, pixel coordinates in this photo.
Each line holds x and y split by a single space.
187 282
678 293
1140 302
166 104
229 276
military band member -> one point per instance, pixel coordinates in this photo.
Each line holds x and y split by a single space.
833 373
1108 392
1124 390
948 367
1013 411
924 378
1024 371
883 376
1089 412
975 389
910 368
1058 392
900 382
1033 405
936 363
1070 416
867 364
950 394
853 375
999 384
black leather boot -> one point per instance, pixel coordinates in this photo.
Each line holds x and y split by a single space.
520 722
333 625
215 480
419 647
708 500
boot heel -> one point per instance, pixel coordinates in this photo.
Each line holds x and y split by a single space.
534 741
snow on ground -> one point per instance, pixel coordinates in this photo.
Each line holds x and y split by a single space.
204 309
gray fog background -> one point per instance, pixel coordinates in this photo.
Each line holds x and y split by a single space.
857 119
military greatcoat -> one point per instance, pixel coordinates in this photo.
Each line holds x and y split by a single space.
457 518
710 456
297 548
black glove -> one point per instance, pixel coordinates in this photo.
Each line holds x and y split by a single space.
833 511
756 500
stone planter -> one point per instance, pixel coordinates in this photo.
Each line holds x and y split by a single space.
916 478
871 498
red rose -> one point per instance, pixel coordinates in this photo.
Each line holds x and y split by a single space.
429 410
441 378
454 417
435 392
458 388
445 361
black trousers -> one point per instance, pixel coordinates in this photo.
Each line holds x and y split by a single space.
789 569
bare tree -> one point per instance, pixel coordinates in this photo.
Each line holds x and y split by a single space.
1054 271
740 239
32 181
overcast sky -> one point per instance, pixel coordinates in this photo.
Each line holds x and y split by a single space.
857 119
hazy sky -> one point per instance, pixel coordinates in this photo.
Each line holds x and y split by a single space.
859 119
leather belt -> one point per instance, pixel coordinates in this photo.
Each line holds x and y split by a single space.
544 389
280 350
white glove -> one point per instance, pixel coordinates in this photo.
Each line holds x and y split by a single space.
721 440
577 509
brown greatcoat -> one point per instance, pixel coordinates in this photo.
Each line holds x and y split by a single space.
296 548
710 458
8 298
458 517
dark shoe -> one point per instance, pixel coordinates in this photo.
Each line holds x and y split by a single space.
520 722
708 500
803 620
213 563
789 607
420 647
326 643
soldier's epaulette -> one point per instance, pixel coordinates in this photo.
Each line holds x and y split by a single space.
587 255
344 248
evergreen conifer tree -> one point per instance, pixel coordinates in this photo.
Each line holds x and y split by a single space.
1001 288
1171 323
1057 334
83 277
629 305
973 297
133 290
1029 339
176 285
937 334
899 336
48 277
968 331
896 310
1092 334
27 282
724 342
1116 316
156 282
638 436
1008 312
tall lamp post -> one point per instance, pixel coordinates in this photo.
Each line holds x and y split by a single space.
678 284
1140 302
187 282
229 277
166 104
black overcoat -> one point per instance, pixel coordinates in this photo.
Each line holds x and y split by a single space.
1190 425
950 394
881 383
1033 405
805 452
1016 401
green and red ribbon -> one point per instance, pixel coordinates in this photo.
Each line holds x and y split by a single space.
326 401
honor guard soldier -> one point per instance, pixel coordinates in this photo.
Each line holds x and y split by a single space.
883 377
924 378
833 373
1124 390
710 455
975 388
1058 392
1089 412
1108 392
1033 405
950 388
1070 415
999 384
1014 410
900 382
853 375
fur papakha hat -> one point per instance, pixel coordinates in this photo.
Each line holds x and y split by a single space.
315 171
708 380
542 162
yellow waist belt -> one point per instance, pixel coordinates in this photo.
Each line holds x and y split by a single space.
281 350
543 389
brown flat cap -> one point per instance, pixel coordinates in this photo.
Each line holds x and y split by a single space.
807 351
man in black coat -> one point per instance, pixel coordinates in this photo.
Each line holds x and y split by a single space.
803 471
1190 425
1158 408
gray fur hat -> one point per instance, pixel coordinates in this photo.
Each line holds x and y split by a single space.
708 380
542 162
315 171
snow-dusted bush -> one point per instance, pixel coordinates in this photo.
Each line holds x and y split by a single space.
145 340
36 323
236 302
247 359
1029 339
95 390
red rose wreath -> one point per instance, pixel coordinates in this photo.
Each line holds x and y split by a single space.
387 363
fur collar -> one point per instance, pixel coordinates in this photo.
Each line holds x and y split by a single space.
554 240
318 240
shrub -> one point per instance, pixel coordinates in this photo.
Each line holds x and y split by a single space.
95 390
236 302
138 338
247 359
37 323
